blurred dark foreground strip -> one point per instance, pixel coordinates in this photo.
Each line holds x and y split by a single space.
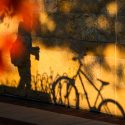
55 108
7 121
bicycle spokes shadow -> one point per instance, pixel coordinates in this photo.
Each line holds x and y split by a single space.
65 92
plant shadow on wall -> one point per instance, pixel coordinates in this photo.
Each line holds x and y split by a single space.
41 88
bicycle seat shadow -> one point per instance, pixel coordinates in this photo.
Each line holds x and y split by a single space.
103 82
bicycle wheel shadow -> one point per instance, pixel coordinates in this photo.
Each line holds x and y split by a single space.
65 93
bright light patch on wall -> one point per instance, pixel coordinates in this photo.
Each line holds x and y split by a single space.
112 8
103 22
47 21
66 7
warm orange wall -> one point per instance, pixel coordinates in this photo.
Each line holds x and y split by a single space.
104 59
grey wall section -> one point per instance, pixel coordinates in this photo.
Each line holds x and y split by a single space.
81 21
75 21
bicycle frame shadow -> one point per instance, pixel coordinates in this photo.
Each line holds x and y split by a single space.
103 106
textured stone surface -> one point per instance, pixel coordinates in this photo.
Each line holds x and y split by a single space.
89 20
82 27
121 7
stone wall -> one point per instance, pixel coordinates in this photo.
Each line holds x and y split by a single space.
96 21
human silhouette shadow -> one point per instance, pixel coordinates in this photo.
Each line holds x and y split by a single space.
20 55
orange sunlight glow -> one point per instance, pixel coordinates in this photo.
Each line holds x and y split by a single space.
3 4
5 45
27 12
10 18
